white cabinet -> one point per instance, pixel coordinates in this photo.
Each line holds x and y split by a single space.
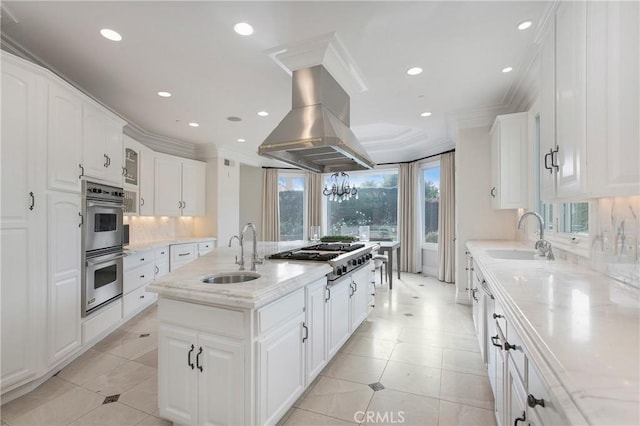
179 186
64 141
359 297
102 145
509 161
613 93
316 323
131 175
65 281
205 247
181 254
22 220
201 375
162 261
338 300
139 271
547 115
146 182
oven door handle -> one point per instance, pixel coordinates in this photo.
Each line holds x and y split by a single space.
104 204
97 262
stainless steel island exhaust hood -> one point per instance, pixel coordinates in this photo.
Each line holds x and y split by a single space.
315 134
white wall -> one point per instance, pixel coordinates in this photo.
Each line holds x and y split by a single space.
475 219
251 196
430 261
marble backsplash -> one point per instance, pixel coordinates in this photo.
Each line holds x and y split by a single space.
148 229
615 242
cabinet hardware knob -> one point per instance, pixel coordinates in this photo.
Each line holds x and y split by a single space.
496 316
198 359
522 418
189 358
141 276
306 332
493 340
532 401
33 201
508 346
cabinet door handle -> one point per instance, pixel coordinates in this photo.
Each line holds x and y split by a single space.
179 204
532 401
198 359
306 332
33 201
554 157
81 171
184 204
157 270
493 192
508 346
141 201
522 418
546 164
355 287
328 295
473 293
189 363
141 276
124 171
496 316
493 341
81 220
106 160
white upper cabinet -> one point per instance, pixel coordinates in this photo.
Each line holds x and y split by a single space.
147 182
508 161
613 115
179 186
64 144
547 115
102 145
571 101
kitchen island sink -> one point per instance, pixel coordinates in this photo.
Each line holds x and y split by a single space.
230 277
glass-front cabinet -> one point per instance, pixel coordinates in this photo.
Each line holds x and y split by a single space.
131 172
131 166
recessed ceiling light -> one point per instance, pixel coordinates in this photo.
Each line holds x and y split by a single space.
414 71
263 113
241 140
507 69
110 34
194 124
243 28
233 118
425 114
524 25
164 94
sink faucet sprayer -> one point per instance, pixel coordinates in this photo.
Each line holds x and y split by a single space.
543 246
254 256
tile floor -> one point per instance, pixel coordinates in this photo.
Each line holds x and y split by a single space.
415 361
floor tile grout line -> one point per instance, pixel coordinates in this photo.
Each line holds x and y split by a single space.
325 415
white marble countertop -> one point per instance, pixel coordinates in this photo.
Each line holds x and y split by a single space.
161 243
278 277
582 324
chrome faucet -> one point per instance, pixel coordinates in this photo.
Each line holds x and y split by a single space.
543 246
254 256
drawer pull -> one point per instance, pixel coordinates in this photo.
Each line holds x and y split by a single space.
522 418
142 259
532 401
493 340
496 316
141 276
184 254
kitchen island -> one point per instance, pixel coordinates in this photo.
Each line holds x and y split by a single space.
243 353
562 342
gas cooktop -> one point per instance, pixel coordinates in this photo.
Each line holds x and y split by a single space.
340 247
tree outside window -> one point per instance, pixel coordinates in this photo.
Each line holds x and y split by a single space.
291 201
376 206
431 177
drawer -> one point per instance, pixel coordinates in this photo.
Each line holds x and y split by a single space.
161 269
280 311
220 321
136 300
135 259
138 277
162 254
101 321
205 247
516 355
182 254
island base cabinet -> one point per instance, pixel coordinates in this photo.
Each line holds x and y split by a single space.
201 377
281 361
338 299
316 321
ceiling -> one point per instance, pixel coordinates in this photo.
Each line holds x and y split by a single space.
191 50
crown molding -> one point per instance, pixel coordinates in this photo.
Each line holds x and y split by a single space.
161 143
326 50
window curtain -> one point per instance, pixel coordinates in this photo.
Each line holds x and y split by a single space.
447 219
270 206
409 229
314 196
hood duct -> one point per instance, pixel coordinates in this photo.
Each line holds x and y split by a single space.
315 134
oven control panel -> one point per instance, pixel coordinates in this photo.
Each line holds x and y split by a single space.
98 191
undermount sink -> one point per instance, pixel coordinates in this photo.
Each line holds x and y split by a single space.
513 254
230 277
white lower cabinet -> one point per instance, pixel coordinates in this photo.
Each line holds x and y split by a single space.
181 254
162 261
338 315
316 323
201 378
359 297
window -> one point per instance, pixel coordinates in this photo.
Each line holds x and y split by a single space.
376 206
574 218
431 182
291 201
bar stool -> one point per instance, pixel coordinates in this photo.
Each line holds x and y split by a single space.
380 261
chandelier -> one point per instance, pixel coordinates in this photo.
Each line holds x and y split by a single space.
340 188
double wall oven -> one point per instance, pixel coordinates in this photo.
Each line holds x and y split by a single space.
102 252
